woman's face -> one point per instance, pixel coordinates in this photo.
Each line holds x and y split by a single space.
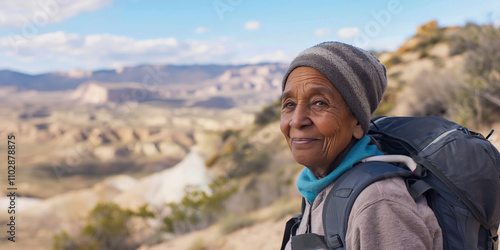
315 120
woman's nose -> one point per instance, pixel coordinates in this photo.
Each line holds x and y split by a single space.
300 117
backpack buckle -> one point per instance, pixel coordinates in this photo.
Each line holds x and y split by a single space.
335 241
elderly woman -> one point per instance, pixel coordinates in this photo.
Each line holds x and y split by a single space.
329 94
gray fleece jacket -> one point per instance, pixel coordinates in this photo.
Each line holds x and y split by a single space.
384 216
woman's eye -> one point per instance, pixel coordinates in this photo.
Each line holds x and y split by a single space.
288 105
319 103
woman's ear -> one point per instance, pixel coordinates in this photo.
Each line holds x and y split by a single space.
358 131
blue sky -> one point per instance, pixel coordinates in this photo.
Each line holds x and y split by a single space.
38 36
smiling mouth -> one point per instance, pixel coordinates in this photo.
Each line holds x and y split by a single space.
303 141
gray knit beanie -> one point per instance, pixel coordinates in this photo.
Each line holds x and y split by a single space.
358 75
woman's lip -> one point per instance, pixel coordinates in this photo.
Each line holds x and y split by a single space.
303 141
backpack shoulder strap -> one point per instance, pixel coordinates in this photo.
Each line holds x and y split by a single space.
292 225
345 190
290 229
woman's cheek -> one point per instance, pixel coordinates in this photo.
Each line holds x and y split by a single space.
284 127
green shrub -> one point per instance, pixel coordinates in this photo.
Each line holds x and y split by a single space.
249 159
387 103
481 92
198 244
198 208
465 39
393 60
228 133
63 241
424 54
107 227
269 114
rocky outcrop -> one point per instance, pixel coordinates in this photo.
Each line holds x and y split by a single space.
99 93
410 44
428 28
423 31
91 93
125 134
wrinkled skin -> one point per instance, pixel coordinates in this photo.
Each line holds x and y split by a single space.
316 122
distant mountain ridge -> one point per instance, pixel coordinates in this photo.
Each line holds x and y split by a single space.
160 74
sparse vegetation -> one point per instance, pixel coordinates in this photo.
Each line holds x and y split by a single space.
424 54
198 244
428 35
107 227
429 40
228 133
466 39
435 95
472 99
384 107
269 114
233 222
393 60
388 101
198 208
244 155
395 75
249 160
286 207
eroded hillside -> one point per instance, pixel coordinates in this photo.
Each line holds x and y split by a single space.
223 178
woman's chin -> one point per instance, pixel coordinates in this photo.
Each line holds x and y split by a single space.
308 161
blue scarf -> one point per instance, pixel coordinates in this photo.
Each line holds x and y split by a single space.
310 186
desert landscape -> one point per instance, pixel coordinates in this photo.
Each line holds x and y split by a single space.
191 157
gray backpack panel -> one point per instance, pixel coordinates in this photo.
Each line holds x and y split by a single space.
458 172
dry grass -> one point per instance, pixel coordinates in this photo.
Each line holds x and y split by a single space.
234 222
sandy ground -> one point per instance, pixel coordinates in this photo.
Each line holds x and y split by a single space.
264 235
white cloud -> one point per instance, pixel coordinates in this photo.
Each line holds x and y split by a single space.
20 14
3 17
348 32
496 23
201 30
252 25
61 51
277 56
382 44
322 31
102 50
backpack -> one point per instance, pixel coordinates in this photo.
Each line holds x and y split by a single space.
457 170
